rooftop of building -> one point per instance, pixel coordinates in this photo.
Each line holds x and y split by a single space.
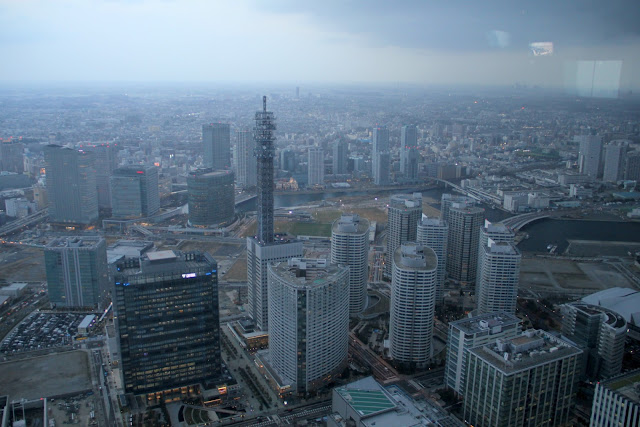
491 322
209 173
504 248
307 272
466 208
623 301
612 318
532 348
188 264
415 256
128 248
350 223
87 242
406 200
498 227
627 384
433 222
380 406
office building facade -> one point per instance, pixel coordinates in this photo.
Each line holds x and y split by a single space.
600 332
211 197
409 156
167 322
404 214
350 246
413 301
71 185
308 322
382 168
316 166
77 273
590 155
614 157
527 380
134 192
245 159
12 156
471 332
106 155
340 157
498 277
433 233
616 401
216 138
464 234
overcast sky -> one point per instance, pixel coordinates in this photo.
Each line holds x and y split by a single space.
296 41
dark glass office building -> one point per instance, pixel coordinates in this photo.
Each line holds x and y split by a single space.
166 308
211 197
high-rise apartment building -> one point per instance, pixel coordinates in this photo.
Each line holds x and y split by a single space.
616 401
413 304
382 167
404 214
409 156
498 277
350 246
433 233
262 249
211 197
12 156
316 166
527 380
216 138
614 157
308 322
340 157
464 234
71 185
245 160
497 232
600 332
590 154
106 155
134 191
472 332
448 199
167 322
77 273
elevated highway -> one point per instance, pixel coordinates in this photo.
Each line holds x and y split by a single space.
519 221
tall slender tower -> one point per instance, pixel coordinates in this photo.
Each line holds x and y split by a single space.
433 233
413 300
265 137
404 213
464 235
262 250
350 246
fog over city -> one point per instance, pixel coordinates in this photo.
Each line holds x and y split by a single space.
331 213
422 42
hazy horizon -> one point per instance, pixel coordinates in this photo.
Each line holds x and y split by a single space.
409 42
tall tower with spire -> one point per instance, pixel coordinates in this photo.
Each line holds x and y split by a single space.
263 249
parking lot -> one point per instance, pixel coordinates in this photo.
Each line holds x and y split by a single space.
42 330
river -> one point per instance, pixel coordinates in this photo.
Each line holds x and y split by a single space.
558 231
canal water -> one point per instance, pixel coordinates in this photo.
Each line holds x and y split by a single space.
557 231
